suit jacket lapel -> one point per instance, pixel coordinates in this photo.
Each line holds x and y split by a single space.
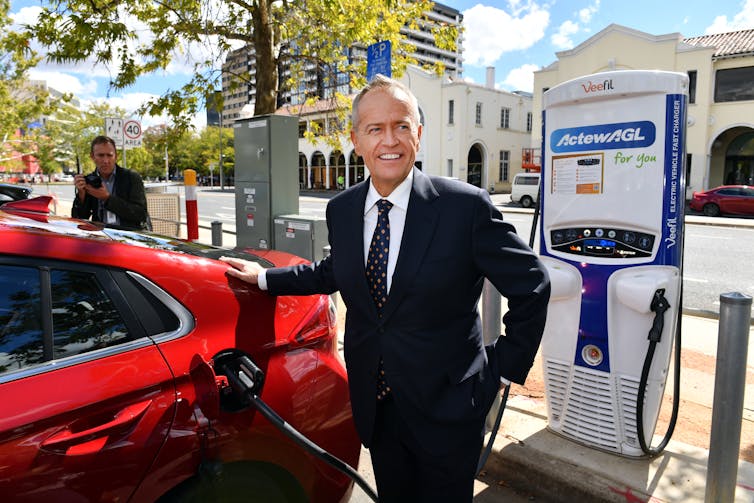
421 218
351 247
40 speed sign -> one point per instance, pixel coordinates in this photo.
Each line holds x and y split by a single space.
132 133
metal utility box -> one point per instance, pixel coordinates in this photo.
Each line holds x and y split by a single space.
305 236
266 176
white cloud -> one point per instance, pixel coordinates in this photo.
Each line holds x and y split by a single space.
490 32
585 14
521 78
26 16
181 64
562 39
199 121
742 20
65 82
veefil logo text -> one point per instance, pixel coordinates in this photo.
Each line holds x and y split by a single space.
603 137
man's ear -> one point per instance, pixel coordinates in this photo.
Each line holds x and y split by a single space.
355 142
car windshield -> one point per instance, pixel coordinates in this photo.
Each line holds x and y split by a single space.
159 242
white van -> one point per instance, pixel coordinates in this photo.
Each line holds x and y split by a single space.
524 189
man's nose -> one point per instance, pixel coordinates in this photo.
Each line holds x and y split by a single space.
390 138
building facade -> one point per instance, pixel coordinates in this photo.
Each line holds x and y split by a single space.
720 125
475 133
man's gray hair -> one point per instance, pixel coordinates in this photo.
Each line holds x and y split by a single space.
380 82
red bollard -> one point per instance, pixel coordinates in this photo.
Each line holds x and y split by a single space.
192 213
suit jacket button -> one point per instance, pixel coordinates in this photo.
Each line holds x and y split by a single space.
381 330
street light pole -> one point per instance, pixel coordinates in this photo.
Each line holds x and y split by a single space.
222 187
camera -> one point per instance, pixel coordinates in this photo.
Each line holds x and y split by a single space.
93 180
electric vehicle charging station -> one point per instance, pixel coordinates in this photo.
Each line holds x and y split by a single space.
611 236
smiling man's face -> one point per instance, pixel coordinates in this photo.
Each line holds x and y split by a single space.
387 137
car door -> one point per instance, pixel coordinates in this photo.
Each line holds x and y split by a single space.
729 200
742 203
87 399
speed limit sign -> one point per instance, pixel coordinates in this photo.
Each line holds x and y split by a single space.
132 133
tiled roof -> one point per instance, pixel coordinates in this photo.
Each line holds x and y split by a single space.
735 43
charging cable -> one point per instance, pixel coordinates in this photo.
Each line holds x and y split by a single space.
245 379
659 305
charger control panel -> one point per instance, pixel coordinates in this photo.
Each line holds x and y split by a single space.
607 242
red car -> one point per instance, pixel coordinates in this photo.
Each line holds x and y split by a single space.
724 200
109 378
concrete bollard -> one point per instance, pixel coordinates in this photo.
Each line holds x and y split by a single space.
727 407
192 212
217 233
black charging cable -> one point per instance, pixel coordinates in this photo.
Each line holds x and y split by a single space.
245 379
659 305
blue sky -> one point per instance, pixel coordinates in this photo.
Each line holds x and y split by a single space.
517 37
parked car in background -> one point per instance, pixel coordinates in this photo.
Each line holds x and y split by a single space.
110 379
525 189
724 200
11 192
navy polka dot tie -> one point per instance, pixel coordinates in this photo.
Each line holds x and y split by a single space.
377 275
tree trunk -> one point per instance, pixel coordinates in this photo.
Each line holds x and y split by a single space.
266 61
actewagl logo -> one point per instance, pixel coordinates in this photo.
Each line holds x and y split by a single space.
603 136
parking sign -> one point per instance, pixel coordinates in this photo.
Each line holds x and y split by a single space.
379 59
114 129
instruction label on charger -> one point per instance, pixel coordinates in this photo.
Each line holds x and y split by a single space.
578 174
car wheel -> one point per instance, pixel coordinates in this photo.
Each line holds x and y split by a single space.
240 482
527 202
711 210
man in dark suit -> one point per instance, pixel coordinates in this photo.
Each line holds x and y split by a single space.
418 339
114 195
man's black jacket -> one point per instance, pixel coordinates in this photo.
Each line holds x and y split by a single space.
128 202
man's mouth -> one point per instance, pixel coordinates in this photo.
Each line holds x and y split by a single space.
389 157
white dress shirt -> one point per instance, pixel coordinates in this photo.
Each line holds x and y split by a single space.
399 198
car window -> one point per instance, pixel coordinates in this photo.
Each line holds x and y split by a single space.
80 316
83 316
728 192
527 180
21 336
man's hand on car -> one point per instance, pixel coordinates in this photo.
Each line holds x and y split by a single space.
244 270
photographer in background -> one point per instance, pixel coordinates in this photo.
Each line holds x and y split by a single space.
112 194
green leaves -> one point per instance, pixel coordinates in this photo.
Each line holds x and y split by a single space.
139 37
